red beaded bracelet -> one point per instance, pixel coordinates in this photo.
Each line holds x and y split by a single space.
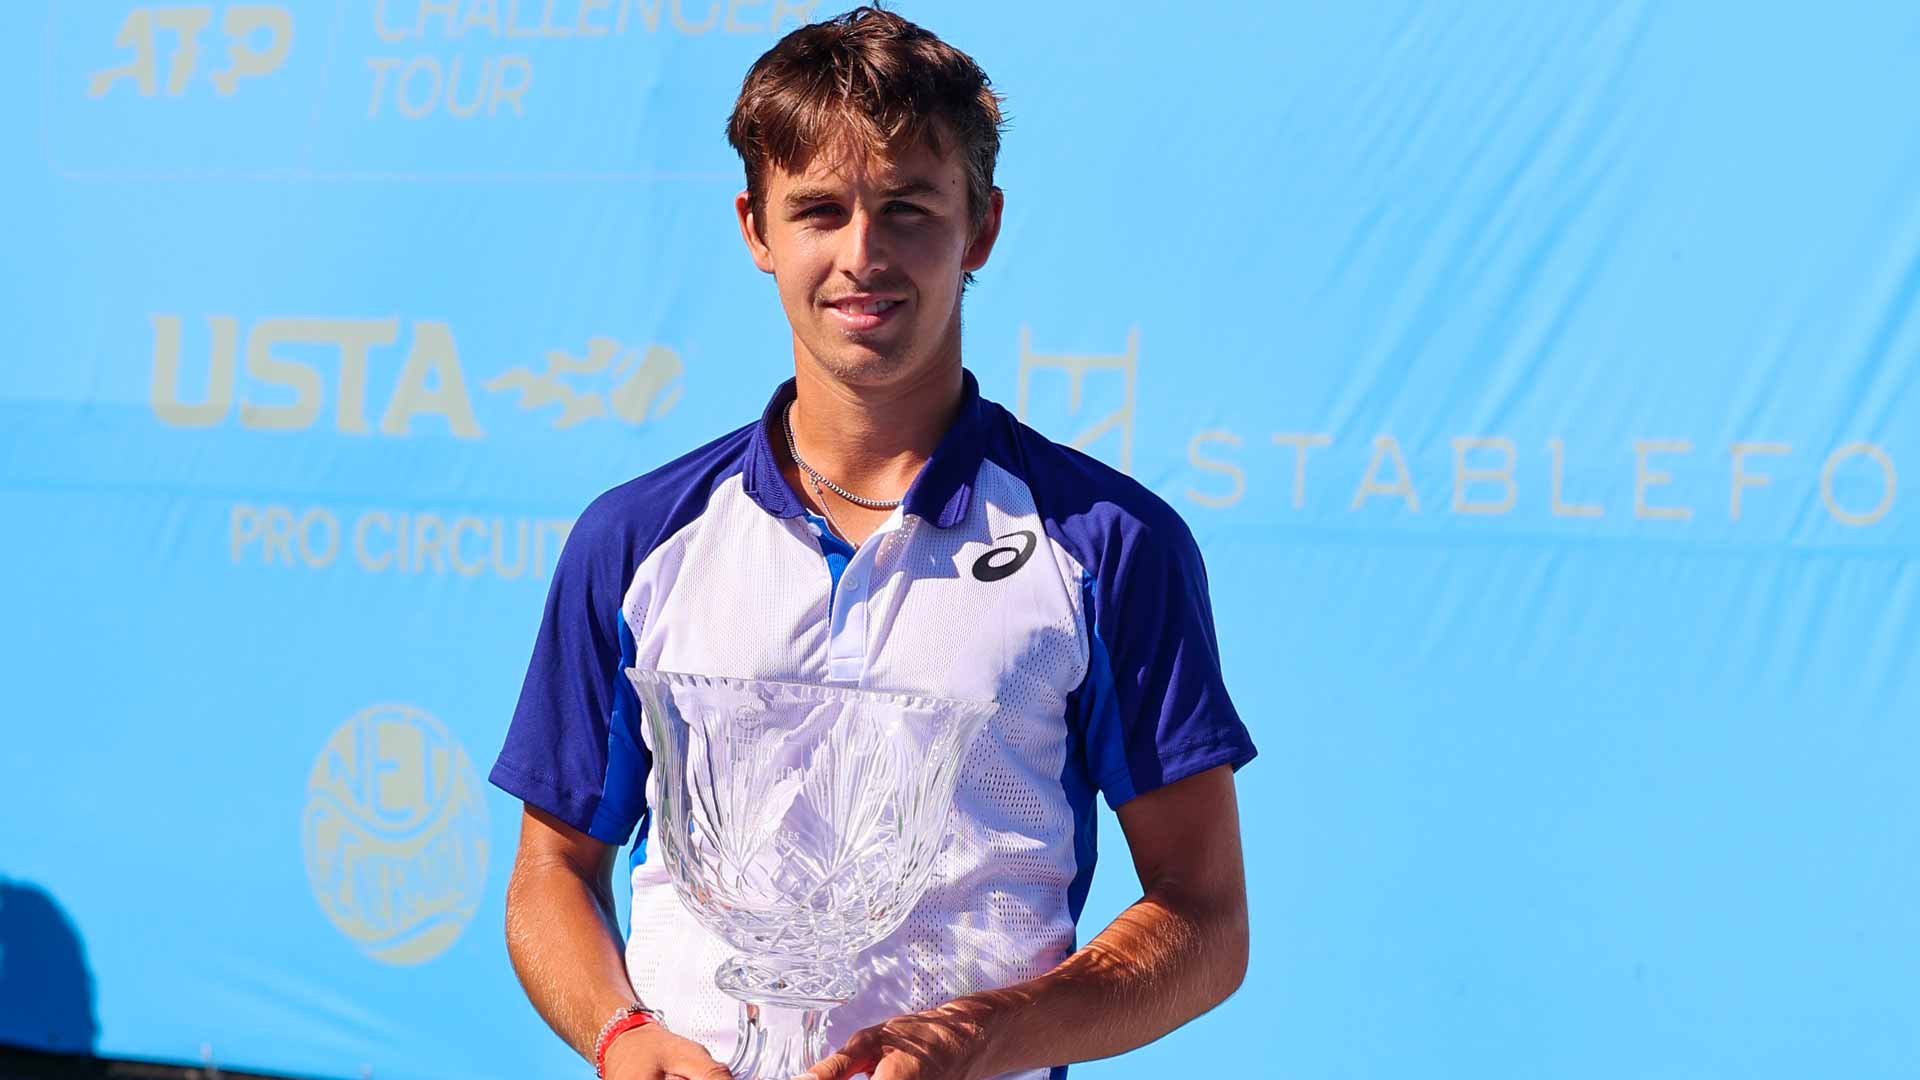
628 1018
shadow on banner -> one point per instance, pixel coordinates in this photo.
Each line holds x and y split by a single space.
46 989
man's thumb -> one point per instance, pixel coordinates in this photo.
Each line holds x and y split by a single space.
837 1066
690 1060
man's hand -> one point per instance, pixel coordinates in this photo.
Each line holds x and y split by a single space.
946 1043
651 1052
1175 953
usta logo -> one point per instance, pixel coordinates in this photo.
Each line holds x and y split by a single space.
635 384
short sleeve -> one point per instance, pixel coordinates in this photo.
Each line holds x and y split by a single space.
572 748
1154 702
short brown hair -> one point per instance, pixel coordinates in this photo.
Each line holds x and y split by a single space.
859 84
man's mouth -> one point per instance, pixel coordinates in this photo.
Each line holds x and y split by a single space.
864 312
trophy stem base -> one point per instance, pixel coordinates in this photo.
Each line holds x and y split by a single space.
783 1012
777 1043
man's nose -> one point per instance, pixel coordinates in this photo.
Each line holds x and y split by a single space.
866 248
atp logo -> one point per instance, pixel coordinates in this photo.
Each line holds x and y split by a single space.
395 834
258 39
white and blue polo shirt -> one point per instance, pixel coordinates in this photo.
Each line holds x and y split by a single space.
1016 570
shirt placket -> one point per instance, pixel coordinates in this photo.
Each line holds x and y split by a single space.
847 644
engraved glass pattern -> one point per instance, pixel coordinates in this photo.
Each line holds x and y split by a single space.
800 823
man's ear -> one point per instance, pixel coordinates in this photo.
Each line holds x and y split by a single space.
756 245
982 244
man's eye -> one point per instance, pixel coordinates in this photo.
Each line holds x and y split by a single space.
906 207
819 211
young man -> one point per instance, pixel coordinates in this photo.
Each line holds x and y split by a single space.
884 525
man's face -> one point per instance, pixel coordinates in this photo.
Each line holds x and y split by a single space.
868 259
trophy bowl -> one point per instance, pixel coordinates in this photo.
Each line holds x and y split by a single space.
799 823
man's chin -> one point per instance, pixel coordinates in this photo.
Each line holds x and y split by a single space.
860 364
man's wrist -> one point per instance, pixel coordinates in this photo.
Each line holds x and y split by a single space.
626 1019
993 1017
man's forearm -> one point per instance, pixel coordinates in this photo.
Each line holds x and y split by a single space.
564 939
1162 962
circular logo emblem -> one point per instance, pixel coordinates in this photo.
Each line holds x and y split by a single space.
395 834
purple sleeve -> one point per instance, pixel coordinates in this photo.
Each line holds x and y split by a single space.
1154 704
571 748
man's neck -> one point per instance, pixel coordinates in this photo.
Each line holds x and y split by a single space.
872 441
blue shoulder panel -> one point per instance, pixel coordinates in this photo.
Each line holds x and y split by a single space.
574 747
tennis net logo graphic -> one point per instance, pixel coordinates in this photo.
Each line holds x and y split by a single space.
644 382
289 363
395 834
1117 393
257 39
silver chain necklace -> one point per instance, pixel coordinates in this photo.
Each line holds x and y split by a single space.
833 525
786 421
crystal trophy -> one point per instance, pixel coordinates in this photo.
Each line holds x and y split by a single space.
799 823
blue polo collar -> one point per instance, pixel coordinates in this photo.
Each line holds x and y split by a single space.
940 494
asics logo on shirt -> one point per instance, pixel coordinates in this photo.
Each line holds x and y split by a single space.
986 568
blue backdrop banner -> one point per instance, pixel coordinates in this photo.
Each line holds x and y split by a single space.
1539 380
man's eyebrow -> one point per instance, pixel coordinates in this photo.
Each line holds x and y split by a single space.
913 185
803 196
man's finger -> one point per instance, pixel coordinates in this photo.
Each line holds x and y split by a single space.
688 1059
842 1065
897 1066
859 1055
